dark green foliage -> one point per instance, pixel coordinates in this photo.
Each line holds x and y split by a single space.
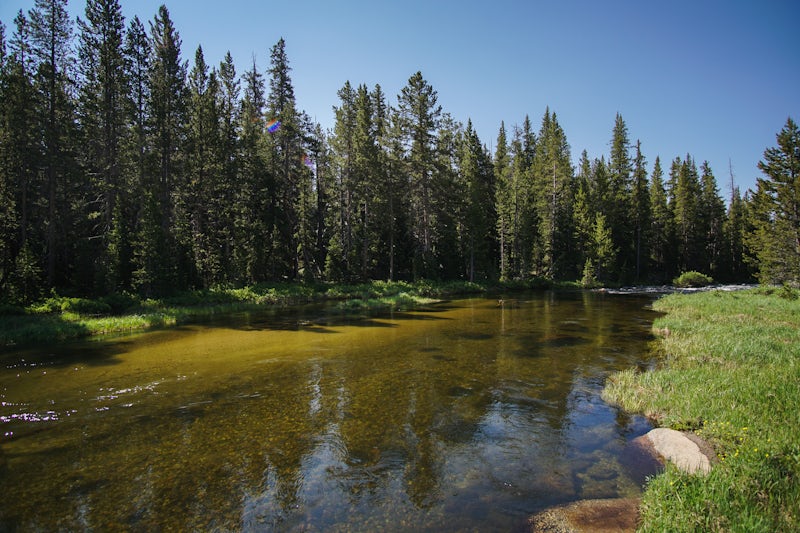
775 210
122 173
552 182
685 194
640 214
660 234
711 220
480 221
621 207
419 117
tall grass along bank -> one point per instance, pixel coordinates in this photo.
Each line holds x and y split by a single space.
731 373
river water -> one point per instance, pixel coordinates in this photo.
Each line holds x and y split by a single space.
467 415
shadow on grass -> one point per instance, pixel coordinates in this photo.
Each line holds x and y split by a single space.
51 341
16 331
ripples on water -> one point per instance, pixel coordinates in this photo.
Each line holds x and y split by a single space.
470 414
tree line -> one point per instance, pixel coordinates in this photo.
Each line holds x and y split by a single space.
123 168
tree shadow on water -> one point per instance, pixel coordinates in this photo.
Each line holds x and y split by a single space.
326 320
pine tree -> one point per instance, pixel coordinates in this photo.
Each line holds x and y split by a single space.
137 54
8 208
480 217
684 204
419 119
228 151
51 47
734 232
158 258
366 174
659 236
526 216
619 203
20 239
200 200
640 212
390 186
711 212
584 217
449 204
338 264
603 252
254 198
398 184
775 236
504 201
290 235
319 154
554 252
102 111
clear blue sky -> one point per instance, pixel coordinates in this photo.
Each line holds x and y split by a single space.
715 79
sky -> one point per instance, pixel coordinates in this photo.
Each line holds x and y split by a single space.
715 79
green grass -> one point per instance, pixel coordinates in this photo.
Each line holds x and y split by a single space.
59 318
730 372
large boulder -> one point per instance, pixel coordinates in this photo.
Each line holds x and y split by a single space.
685 450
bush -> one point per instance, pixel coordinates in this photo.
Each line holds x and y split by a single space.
120 302
50 305
82 306
788 293
692 279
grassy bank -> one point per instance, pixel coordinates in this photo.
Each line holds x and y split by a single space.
731 373
60 318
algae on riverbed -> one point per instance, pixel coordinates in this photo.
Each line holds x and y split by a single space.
469 414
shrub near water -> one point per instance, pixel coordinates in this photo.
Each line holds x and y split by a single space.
731 371
692 279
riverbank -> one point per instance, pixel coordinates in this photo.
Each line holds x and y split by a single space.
61 318
730 374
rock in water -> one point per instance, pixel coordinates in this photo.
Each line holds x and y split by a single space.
588 516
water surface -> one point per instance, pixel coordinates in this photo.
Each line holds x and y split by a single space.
468 415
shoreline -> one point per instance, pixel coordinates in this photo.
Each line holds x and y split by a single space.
728 377
58 319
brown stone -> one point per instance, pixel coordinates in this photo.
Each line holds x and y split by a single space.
588 516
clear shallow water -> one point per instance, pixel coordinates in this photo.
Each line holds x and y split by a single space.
469 415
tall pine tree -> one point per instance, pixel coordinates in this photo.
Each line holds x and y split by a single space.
775 236
160 262
103 113
51 47
419 117
659 236
711 212
554 251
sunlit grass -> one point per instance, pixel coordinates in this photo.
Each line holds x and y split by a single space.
731 373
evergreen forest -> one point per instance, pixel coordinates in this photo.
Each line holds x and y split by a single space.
126 168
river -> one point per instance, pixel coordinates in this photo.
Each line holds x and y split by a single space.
469 414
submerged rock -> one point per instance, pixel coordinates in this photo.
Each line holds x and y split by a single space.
590 516
643 456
